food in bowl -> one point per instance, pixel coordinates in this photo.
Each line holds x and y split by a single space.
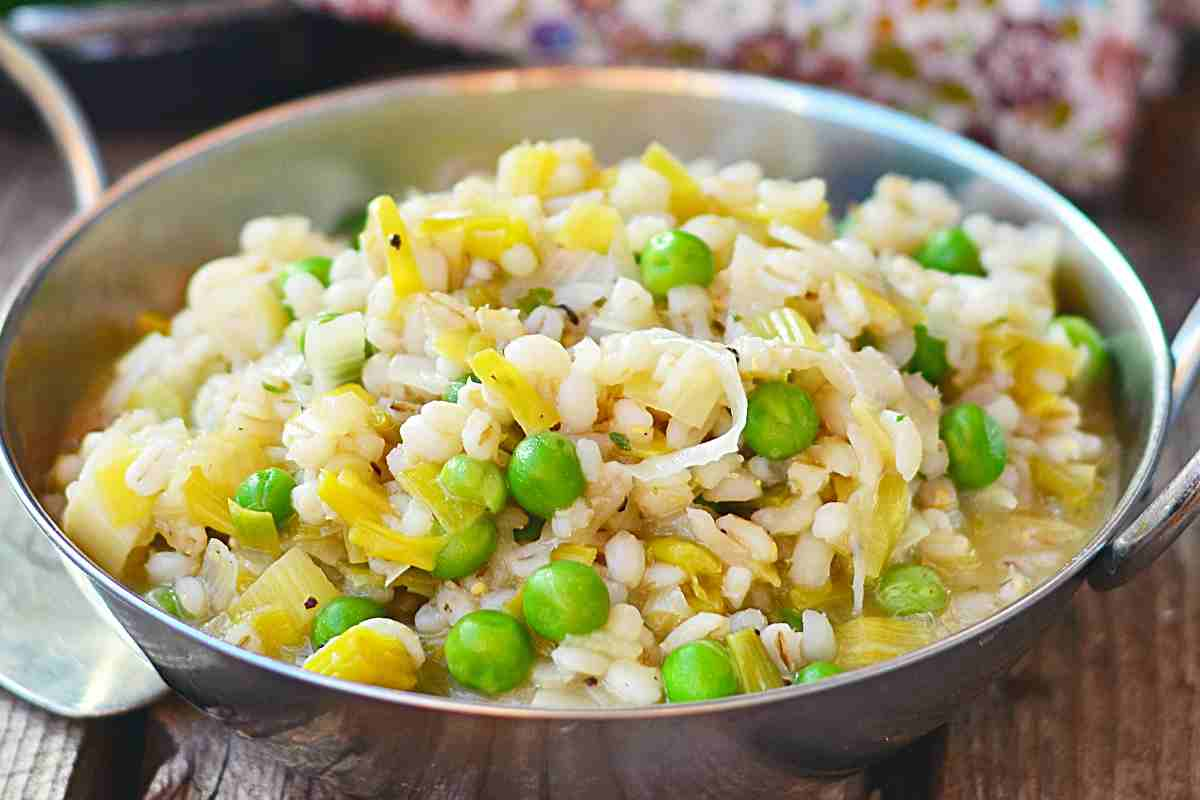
581 436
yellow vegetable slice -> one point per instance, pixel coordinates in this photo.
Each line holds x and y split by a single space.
788 325
527 169
370 652
401 262
589 226
124 506
893 504
484 235
352 498
1073 484
868 640
295 587
274 630
499 375
584 554
377 541
461 345
380 422
254 529
687 198
691 557
206 504
756 671
451 513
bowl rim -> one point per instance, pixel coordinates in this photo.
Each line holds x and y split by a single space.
806 101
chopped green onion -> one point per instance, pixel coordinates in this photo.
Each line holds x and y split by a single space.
273 389
335 349
755 670
620 440
254 529
534 298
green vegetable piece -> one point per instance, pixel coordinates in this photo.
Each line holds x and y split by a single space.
317 266
340 615
268 490
907 589
975 444
620 440
1082 333
531 532
755 670
793 618
451 395
466 550
952 251
489 651
781 421
565 597
544 474
676 258
164 598
817 670
534 298
350 226
929 359
320 319
478 481
700 670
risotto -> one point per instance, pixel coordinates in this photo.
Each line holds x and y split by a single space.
569 435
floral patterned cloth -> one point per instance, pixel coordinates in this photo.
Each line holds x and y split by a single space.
1053 84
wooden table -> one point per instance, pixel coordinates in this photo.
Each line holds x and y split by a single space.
1106 706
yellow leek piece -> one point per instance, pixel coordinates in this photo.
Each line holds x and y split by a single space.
254 529
893 505
293 585
788 325
418 582
206 504
584 554
274 630
484 235
352 498
377 541
1073 484
364 654
704 594
755 670
499 375
868 640
589 226
124 506
461 344
401 261
866 414
691 557
805 597
687 198
885 317
452 513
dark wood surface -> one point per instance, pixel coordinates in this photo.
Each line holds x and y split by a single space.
1106 706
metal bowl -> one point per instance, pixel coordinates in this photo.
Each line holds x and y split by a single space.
74 307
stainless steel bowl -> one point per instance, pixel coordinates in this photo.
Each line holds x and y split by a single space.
73 309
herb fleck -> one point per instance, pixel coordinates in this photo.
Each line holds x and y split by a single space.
311 602
620 440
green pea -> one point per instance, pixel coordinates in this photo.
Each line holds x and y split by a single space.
1082 333
164 598
477 481
700 670
975 445
268 490
340 615
951 250
565 597
531 532
817 670
781 420
907 589
451 395
489 651
466 550
317 266
929 359
544 474
676 258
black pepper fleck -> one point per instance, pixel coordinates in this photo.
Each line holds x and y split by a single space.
395 241
591 681
311 602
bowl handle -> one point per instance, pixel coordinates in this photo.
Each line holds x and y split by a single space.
66 122
60 647
1177 506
